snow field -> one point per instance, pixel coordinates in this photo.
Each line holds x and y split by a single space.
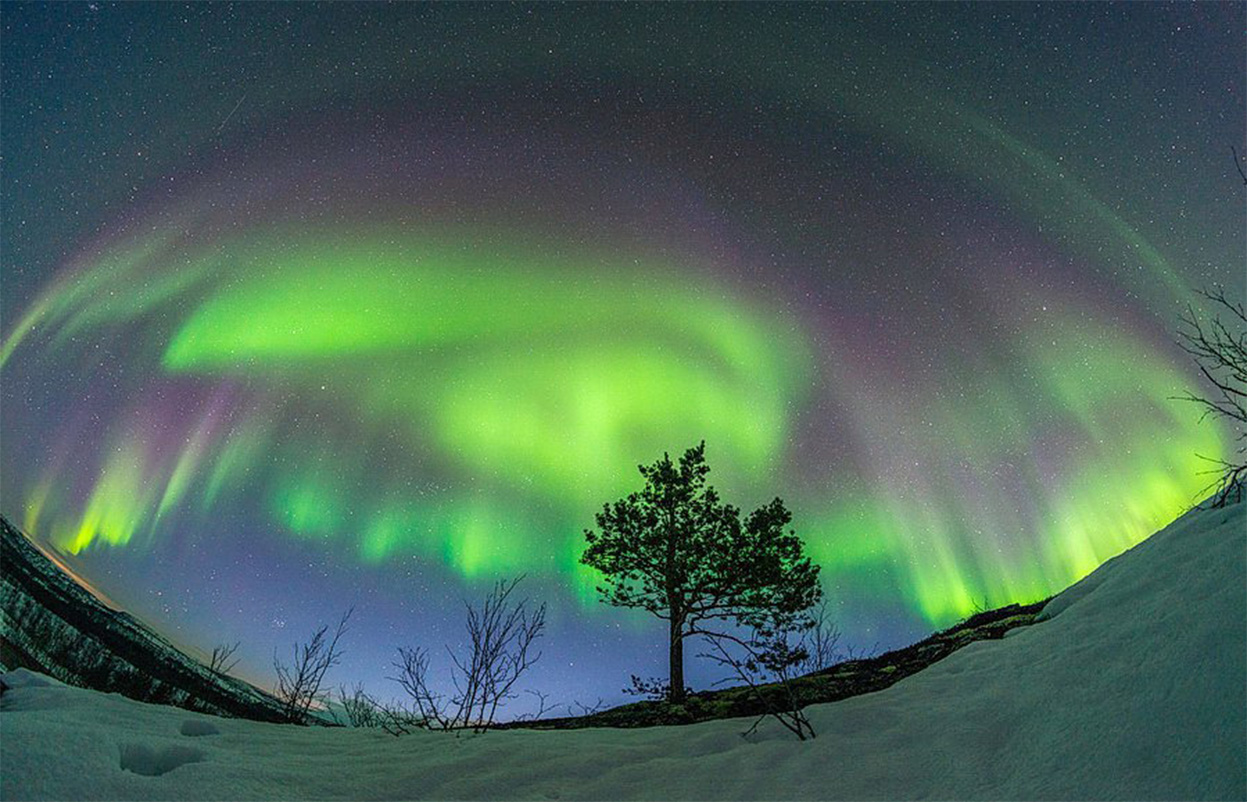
1135 687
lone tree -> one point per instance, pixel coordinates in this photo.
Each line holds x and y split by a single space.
675 550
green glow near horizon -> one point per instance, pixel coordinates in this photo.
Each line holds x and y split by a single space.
1003 487
119 502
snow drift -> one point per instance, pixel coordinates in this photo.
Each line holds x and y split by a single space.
1134 687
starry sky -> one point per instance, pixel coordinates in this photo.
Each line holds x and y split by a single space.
310 306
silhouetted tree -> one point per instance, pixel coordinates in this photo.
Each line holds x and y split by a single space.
1217 340
299 682
675 550
501 633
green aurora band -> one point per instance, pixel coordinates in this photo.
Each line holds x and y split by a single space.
527 383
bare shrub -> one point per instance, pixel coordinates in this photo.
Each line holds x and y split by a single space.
1217 340
655 689
360 708
299 683
397 719
820 641
363 710
766 660
543 706
501 633
852 653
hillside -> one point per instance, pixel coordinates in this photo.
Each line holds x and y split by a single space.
840 681
51 624
1134 687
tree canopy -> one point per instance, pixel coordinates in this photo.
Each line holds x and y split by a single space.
677 551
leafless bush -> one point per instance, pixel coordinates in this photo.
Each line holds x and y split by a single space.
222 660
413 677
655 689
852 653
299 682
363 710
820 641
397 719
501 633
766 657
1218 342
360 708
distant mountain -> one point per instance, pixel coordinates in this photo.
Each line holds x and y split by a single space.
51 624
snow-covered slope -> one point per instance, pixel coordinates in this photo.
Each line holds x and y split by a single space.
1135 688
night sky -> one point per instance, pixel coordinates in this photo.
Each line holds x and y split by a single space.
315 306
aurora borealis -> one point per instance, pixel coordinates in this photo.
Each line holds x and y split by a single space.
311 306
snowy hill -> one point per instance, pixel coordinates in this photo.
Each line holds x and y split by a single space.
1135 687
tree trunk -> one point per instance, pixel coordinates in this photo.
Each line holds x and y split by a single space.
675 693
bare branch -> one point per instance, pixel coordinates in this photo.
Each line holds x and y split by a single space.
819 641
222 660
581 709
542 707
360 708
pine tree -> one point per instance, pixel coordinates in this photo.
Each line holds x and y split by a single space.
675 550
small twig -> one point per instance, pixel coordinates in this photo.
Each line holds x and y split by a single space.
582 709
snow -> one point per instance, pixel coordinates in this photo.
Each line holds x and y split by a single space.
1135 687
25 678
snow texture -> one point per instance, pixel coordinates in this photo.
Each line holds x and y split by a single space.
1135 687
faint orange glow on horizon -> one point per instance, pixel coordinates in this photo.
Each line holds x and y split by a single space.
81 580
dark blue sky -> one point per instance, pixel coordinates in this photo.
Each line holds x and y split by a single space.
307 306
